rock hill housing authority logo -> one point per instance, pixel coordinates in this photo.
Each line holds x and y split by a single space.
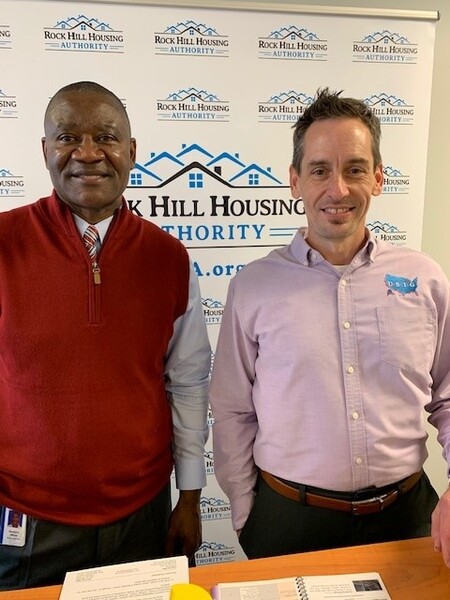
293 43
83 34
214 508
390 109
284 106
11 186
214 552
188 38
388 233
209 462
385 47
8 105
191 104
395 182
214 199
212 308
5 37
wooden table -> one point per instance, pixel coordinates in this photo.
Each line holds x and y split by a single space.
410 570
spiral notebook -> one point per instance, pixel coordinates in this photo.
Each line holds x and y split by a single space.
354 586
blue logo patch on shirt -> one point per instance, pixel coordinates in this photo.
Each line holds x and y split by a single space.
400 285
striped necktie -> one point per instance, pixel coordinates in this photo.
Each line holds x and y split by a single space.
92 239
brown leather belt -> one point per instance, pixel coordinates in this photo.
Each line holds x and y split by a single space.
356 507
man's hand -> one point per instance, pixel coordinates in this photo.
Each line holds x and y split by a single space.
440 527
185 532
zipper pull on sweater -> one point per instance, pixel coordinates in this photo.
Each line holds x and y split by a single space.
96 273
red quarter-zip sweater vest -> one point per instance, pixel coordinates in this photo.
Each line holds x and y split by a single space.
85 424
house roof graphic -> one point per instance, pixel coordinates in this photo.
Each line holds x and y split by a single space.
73 22
194 157
182 27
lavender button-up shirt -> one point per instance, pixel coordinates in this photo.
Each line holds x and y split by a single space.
321 377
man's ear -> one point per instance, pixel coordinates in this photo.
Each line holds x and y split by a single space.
294 182
132 152
379 179
44 150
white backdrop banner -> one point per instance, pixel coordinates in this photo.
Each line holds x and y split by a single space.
212 96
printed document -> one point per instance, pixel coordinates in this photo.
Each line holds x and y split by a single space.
355 586
147 579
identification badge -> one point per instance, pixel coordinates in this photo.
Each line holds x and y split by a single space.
13 527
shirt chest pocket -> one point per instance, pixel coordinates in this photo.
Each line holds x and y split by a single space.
407 337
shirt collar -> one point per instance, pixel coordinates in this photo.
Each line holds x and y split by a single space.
309 257
102 226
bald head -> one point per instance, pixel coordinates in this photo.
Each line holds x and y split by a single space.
82 88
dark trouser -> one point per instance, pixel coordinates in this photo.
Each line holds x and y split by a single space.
52 549
277 525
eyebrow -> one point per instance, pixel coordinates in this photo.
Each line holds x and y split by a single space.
352 161
110 125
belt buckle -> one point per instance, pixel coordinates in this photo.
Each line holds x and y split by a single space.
377 502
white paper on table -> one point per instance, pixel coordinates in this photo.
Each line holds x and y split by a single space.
143 580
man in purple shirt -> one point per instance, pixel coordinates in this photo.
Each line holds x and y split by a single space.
329 350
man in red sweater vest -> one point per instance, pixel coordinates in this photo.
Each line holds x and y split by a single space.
104 363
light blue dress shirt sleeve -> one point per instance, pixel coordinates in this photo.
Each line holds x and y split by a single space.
187 369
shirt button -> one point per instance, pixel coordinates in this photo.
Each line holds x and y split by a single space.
350 369
343 282
358 460
355 415
346 325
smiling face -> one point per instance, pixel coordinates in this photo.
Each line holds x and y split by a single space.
89 152
336 181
